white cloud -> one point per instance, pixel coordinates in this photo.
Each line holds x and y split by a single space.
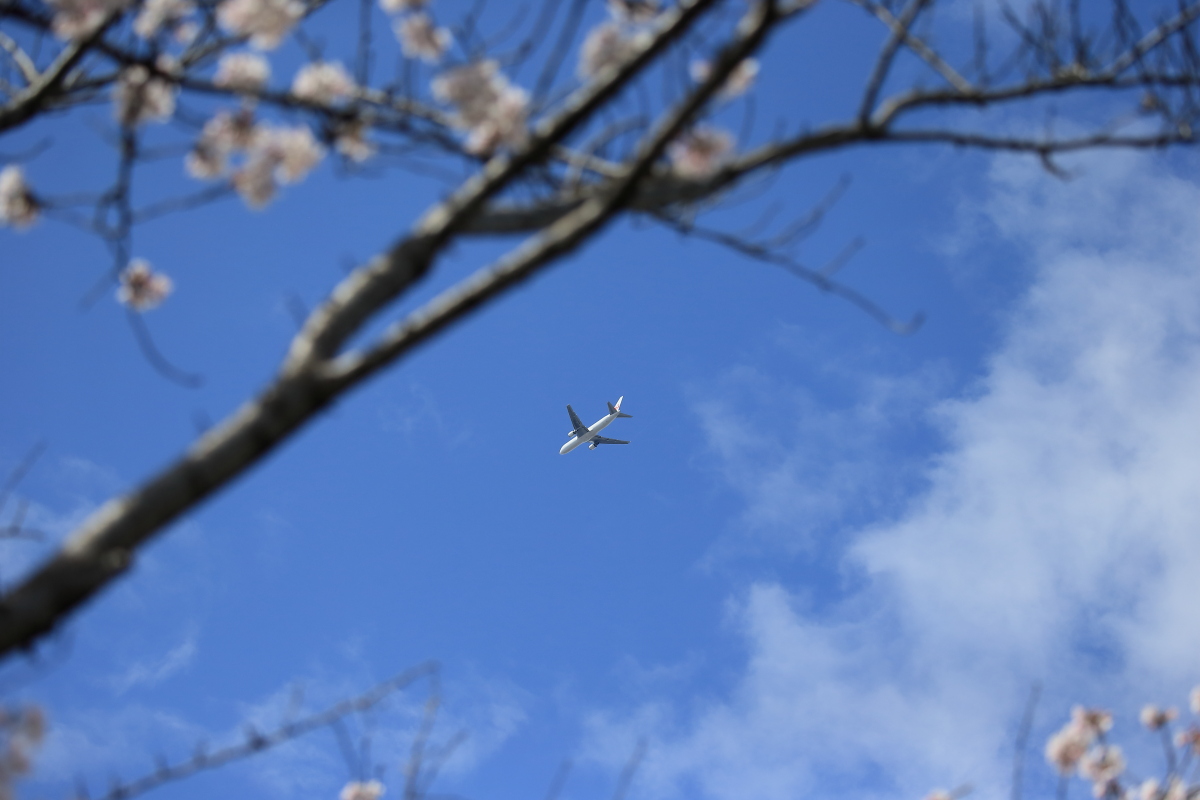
1058 538
155 671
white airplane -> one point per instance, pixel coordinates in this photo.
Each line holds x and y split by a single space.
581 434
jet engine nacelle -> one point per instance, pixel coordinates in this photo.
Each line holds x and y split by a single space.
592 445
570 434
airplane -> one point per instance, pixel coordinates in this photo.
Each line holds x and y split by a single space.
581 434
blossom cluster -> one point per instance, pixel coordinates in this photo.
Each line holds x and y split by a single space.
613 42
490 109
362 790
418 34
141 288
18 206
21 733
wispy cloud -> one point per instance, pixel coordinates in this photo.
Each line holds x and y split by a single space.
1056 538
154 671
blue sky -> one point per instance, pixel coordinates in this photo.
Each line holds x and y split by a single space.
833 559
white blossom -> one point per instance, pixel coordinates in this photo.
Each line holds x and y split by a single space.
156 13
1066 747
222 135
1194 700
323 82
141 288
141 97
421 38
739 81
398 6
351 141
18 206
246 72
266 22
75 19
1102 765
1096 721
276 155
1189 739
1155 718
487 106
700 152
362 790
607 44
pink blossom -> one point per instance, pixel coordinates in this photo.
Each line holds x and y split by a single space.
224 134
1103 764
141 288
488 107
351 141
266 22
1189 738
606 45
397 6
940 794
1151 789
1195 700
700 152
637 11
75 19
1155 718
298 152
506 125
277 155
323 82
1095 720
156 13
141 97
246 72
1066 748
738 82
362 790
420 38
18 206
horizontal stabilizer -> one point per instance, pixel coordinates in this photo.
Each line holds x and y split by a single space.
616 409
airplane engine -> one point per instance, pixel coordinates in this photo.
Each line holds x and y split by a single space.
592 446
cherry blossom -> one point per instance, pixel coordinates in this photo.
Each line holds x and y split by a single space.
156 13
75 19
323 82
739 81
700 152
420 38
1155 718
362 790
607 44
1194 700
1096 721
351 141
1065 748
276 155
222 135
246 72
487 106
1103 764
141 288
1189 738
266 22
18 206
141 97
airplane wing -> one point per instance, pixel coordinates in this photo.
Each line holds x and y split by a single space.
579 426
602 440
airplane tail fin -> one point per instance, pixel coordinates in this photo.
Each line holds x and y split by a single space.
616 409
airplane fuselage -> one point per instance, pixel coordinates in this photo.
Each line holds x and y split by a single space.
575 441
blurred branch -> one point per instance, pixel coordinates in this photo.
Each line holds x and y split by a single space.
256 742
